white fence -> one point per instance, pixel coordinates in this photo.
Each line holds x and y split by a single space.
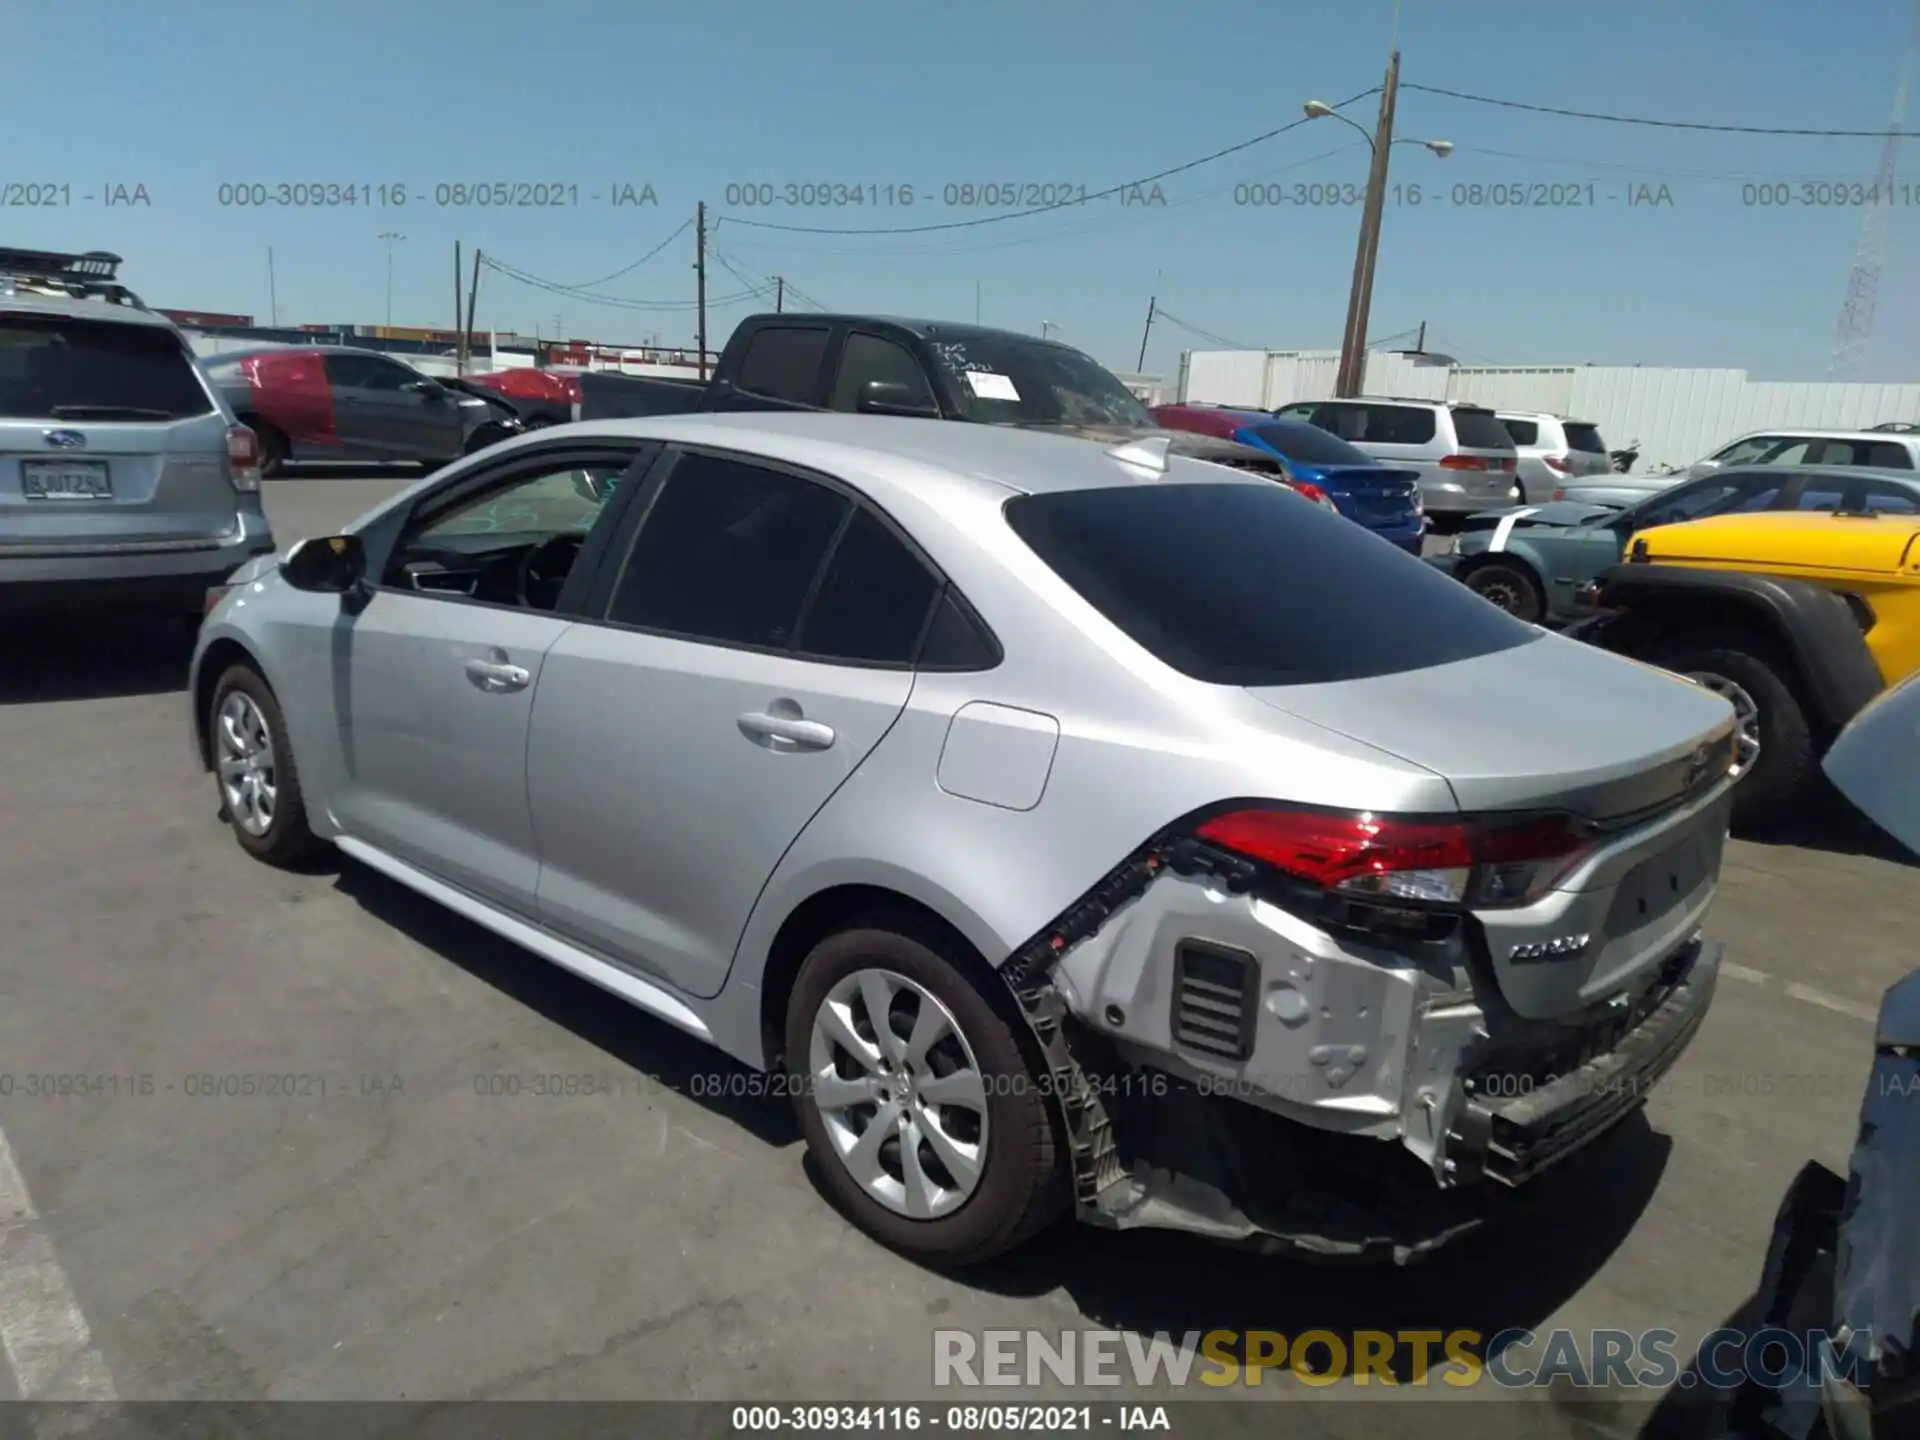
1677 415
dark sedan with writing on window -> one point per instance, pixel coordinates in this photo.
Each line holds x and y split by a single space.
335 403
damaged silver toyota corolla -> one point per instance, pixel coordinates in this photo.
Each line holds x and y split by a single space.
1064 826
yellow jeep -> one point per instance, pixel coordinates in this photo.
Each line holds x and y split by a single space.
1799 619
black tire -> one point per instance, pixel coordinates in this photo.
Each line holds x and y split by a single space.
539 422
1787 771
274 449
1024 1185
1512 586
288 839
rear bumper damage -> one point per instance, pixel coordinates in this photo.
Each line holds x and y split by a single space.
1240 1086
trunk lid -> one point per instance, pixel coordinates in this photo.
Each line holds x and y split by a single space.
1549 725
110 437
1557 726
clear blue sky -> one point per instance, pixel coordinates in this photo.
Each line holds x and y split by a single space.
186 96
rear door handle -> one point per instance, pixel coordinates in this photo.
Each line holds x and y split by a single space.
497 677
786 732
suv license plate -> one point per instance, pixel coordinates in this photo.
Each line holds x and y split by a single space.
66 480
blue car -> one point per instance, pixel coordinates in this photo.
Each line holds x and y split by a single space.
1320 466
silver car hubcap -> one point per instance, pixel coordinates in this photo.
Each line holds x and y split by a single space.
248 779
1503 593
1746 717
896 1084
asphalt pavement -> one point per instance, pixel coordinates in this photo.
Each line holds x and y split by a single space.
304 1180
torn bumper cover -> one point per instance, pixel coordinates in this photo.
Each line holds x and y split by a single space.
1202 1161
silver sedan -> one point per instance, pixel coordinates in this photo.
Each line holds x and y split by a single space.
1063 826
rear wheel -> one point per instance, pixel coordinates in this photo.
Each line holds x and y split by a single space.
1511 586
1775 759
486 435
919 1104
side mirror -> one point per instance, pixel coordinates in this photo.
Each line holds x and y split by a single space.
332 565
894 397
425 388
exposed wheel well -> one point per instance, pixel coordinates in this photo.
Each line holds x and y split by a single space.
1645 632
1499 557
819 916
221 656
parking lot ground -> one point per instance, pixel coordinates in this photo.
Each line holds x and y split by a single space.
303 1179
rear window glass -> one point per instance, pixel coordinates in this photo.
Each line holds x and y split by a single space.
55 368
1251 585
1312 446
1584 438
1524 432
1480 430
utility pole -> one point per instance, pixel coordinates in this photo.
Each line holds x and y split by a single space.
390 236
779 295
1420 345
473 298
700 271
1353 346
459 325
976 302
1140 366
273 298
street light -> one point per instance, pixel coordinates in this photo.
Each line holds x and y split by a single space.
1045 326
1353 344
390 236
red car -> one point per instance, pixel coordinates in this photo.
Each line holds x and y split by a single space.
337 403
543 397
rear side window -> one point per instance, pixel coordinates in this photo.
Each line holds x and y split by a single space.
728 553
1889 499
1524 432
55 368
1584 438
1880 454
1251 585
783 362
1378 424
873 600
1480 430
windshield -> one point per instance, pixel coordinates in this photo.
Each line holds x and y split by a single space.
1014 382
1311 445
53 368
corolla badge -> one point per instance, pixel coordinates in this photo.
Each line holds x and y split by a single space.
1561 947
64 439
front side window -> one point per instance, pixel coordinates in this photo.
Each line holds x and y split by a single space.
869 358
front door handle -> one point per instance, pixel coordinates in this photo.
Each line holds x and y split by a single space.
786 732
496 677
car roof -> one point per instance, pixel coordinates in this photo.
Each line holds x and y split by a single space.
918 453
225 355
76 308
1825 472
927 329
1407 400
1788 432
1539 415
1793 520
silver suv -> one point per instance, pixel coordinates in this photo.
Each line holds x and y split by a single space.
1554 451
1466 458
1886 448
125 481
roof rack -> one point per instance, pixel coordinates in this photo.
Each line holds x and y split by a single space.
1895 427
92 275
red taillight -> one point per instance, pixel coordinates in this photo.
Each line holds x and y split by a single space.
1445 860
1462 462
243 458
1559 494
1554 462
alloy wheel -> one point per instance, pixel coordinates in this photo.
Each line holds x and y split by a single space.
1746 715
248 776
900 1093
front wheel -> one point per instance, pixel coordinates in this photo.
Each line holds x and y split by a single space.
1774 759
253 762
486 435
1512 587
924 1116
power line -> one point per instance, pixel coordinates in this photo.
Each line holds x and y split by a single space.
1057 205
1162 313
625 269
1657 124
1633 168
617 302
